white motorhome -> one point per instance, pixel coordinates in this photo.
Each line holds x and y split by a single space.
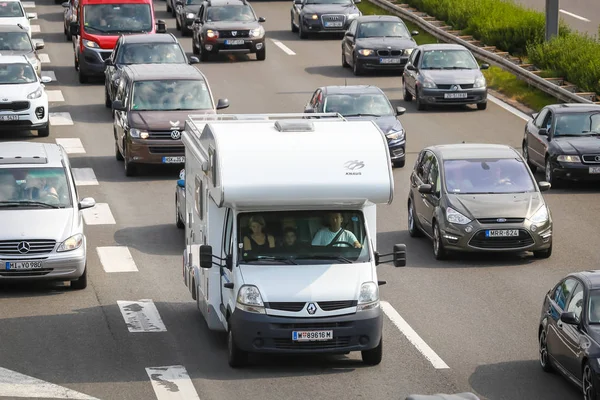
254 183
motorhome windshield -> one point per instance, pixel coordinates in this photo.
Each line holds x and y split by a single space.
303 237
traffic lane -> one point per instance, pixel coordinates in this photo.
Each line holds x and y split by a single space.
582 15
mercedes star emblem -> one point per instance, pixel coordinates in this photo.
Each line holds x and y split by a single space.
175 134
311 308
23 247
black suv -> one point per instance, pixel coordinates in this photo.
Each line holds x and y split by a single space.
228 26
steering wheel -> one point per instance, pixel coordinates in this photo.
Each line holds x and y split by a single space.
340 242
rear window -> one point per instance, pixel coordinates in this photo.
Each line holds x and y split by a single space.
152 53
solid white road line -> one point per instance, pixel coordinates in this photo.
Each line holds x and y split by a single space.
283 47
44 58
172 383
116 259
412 336
60 118
49 74
509 108
574 15
35 29
71 145
98 215
84 176
14 384
28 4
55 95
141 316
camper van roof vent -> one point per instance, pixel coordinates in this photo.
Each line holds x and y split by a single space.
294 126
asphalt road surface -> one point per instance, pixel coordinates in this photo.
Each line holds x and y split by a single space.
582 15
478 316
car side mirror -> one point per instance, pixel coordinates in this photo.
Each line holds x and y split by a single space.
74 28
400 110
194 60
426 189
197 21
118 105
222 103
179 3
544 186
65 4
161 26
411 67
309 110
414 33
206 256
349 34
87 202
30 16
357 1
262 19
108 62
543 132
181 183
484 66
298 2
45 79
39 46
569 318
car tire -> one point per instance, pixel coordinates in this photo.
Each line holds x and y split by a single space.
118 154
130 168
548 174
373 356
407 95
413 225
75 63
438 246
82 77
344 62
261 55
588 383
81 282
356 69
178 222
543 352
236 357
293 27
399 163
204 56
178 25
525 149
68 36
185 31
482 106
546 253
301 33
45 131
168 7
107 102
195 49
420 105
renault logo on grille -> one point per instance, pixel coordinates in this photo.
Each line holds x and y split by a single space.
454 87
311 308
175 134
23 247
501 220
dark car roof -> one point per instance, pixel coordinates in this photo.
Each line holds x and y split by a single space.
219 3
352 89
372 18
442 46
465 151
146 72
145 38
573 107
11 28
592 277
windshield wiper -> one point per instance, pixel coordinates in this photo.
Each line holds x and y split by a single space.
284 260
96 29
362 115
27 203
337 258
456 68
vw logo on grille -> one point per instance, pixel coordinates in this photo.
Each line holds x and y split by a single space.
233 33
23 247
597 158
311 308
175 134
501 220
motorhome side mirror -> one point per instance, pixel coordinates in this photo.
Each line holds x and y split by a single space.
543 132
399 255
39 45
161 26
118 105
74 28
181 183
87 202
400 110
222 103
569 318
484 66
544 186
108 62
426 188
206 256
411 67
414 33
262 19
194 60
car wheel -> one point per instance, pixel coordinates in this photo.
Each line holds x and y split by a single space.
399 163
293 27
178 220
168 6
301 33
482 106
438 246
356 69
82 77
107 102
118 154
75 62
532 167
407 95
543 253
420 105
195 48
261 54
587 383
130 169
344 62
543 349
45 131
549 175
373 356
204 56
235 356
413 228
177 24
81 282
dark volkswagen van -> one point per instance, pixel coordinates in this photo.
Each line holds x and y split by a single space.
151 105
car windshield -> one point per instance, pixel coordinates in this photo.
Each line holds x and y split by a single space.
230 13
448 59
117 18
169 95
193 2
16 74
152 53
578 124
345 2
358 105
11 9
504 175
296 237
34 187
382 29
15 41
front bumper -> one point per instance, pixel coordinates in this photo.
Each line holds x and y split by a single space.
91 61
27 118
456 238
221 46
260 333
318 26
375 62
575 171
148 151
440 96
397 150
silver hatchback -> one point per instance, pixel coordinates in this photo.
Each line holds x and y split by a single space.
42 235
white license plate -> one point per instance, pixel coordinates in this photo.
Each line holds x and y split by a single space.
234 42
173 160
334 24
389 61
23 265
455 95
311 336
9 117
594 170
502 233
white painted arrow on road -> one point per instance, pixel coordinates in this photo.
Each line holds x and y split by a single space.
14 384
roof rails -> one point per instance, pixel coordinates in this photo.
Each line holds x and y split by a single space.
24 160
203 118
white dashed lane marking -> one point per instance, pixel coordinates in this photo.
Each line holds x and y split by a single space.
141 316
172 383
116 259
60 118
49 74
35 29
16 385
71 145
55 95
28 4
44 58
283 47
84 176
98 215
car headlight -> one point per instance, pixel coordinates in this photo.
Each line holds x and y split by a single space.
91 44
190 15
212 34
454 217
72 243
368 298
429 84
312 16
365 52
540 215
250 300
354 15
258 32
137 133
37 94
395 135
566 158
479 82
408 52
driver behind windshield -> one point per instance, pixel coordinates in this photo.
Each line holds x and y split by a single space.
374 105
334 234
